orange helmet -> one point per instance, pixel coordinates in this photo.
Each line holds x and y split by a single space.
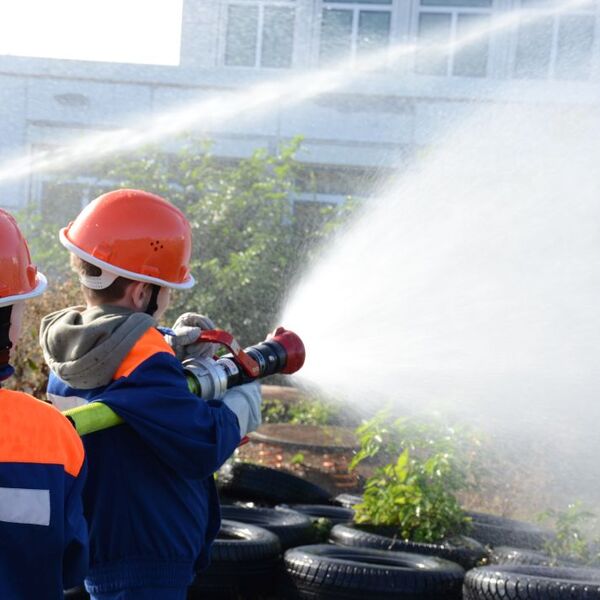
132 234
19 279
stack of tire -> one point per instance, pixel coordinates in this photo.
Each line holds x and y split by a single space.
267 548
519 569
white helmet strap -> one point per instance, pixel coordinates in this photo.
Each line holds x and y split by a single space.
97 282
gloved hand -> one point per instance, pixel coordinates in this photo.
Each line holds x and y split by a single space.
245 401
187 328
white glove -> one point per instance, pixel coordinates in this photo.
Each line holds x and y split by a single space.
187 328
245 401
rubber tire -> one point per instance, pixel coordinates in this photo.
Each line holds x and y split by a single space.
77 593
247 481
324 572
245 566
291 527
505 555
521 582
492 530
335 514
347 500
462 550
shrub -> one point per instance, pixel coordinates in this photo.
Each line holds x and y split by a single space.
426 463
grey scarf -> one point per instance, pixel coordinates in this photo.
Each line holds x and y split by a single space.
85 347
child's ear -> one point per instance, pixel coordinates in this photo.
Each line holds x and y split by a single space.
140 294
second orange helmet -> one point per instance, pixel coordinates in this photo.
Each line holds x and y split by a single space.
134 234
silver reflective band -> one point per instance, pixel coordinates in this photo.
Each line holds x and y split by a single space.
65 402
25 506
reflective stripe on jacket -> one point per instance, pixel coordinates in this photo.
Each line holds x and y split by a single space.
43 535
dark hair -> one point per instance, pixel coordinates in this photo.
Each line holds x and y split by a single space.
115 291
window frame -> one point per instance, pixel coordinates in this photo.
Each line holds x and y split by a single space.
550 75
356 8
259 33
454 12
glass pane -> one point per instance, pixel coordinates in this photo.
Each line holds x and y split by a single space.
534 47
336 35
471 59
574 50
278 37
357 1
434 30
558 4
242 24
459 3
373 30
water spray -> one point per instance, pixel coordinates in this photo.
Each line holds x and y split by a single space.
282 352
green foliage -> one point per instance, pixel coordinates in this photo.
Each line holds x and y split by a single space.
305 411
570 541
250 239
321 530
42 238
426 464
297 459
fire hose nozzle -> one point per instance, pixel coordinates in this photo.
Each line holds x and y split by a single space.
282 352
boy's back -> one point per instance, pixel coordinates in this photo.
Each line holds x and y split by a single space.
150 498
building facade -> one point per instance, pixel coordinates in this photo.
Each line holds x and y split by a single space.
371 124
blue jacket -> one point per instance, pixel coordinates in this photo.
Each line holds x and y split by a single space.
43 535
150 499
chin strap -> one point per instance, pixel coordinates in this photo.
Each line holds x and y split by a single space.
5 344
152 303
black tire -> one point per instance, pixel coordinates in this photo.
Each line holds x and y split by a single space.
462 550
531 583
336 514
245 561
291 527
500 531
505 555
347 500
77 593
246 481
324 572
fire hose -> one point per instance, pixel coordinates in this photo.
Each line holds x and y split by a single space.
209 378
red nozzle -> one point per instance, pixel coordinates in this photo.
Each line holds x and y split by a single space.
294 349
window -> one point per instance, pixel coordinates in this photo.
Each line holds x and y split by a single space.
443 31
260 34
555 45
351 28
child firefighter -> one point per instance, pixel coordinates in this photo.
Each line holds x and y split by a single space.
150 498
43 534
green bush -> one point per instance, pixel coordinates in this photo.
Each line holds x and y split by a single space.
571 540
425 465
250 238
309 411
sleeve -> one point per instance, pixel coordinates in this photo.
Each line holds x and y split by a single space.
245 402
76 550
193 437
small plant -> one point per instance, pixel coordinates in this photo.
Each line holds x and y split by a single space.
301 412
570 541
415 491
321 530
297 459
